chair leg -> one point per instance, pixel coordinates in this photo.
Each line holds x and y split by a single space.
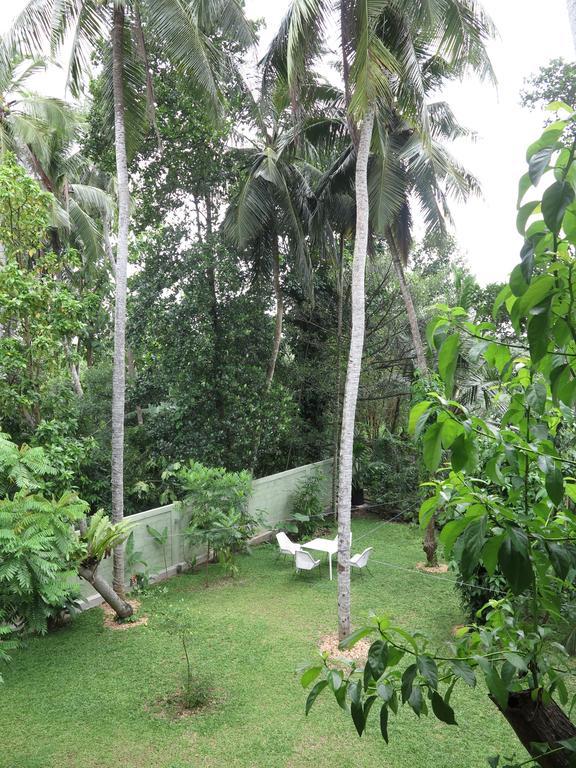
370 572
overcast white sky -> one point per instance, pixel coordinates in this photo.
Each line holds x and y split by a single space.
530 34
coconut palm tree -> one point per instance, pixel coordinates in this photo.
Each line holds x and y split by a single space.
377 43
28 121
183 30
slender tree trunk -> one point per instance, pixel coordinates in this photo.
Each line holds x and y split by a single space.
275 349
119 370
279 313
410 311
337 420
353 373
536 722
115 601
73 371
430 543
572 16
131 367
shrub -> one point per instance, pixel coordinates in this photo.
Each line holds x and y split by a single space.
217 501
392 473
307 508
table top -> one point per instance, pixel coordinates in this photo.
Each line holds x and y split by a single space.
322 545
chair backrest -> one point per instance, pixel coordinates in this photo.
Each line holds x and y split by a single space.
285 544
363 559
304 560
283 540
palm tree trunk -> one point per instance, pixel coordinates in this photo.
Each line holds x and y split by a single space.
353 374
410 311
430 542
118 604
572 16
279 313
119 370
338 414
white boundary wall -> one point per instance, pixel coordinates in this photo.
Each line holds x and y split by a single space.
271 498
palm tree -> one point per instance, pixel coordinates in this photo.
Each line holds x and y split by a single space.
272 204
183 31
377 42
28 121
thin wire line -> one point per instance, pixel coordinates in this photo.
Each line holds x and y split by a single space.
417 572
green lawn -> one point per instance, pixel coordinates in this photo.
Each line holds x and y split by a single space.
84 697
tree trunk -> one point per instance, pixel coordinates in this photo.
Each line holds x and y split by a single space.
275 348
115 601
572 16
535 722
131 368
353 373
77 384
430 543
279 313
410 311
337 420
119 370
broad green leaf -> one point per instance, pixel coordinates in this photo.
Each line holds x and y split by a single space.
563 558
353 638
427 510
309 676
464 672
517 282
524 214
378 658
538 163
416 700
442 710
469 546
555 201
418 417
432 446
490 553
428 669
538 337
514 560
460 453
384 722
408 677
496 686
447 362
555 485
313 695
539 289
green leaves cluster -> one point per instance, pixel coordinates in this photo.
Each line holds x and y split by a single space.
505 491
217 503
399 671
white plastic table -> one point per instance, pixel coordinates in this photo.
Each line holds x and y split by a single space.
323 545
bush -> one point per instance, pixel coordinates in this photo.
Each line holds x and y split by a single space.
38 544
307 509
217 501
392 473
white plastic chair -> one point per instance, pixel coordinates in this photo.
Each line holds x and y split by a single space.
361 561
285 546
304 561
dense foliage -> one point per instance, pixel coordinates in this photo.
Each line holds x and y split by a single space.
506 499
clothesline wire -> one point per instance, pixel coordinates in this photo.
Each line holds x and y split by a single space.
282 523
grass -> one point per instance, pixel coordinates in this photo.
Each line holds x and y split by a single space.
86 696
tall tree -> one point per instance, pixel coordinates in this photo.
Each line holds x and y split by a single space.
184 31
377 42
